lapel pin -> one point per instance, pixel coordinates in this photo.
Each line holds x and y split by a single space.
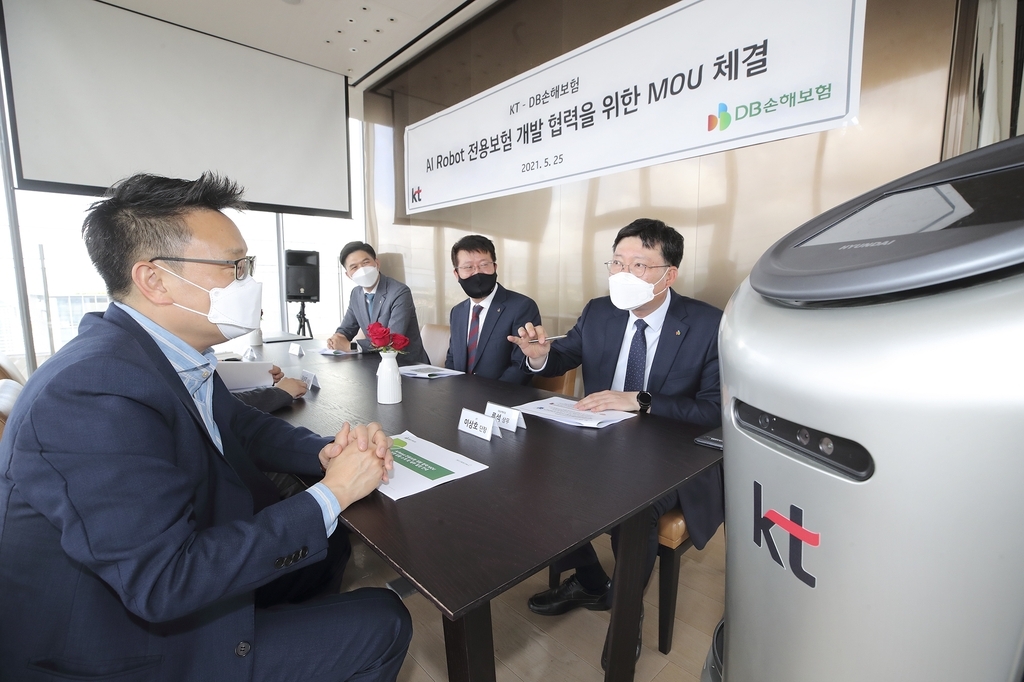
677 332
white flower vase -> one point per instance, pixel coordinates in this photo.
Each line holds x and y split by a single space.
389 380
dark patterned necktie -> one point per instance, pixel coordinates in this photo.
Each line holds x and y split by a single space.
474 337
636 365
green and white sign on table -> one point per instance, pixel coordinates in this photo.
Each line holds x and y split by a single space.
420 465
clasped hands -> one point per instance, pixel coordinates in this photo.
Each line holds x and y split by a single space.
356 462
532 340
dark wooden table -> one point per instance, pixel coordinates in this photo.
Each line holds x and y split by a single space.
548 489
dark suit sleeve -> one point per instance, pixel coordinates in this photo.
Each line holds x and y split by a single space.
266 398
528 312
349 326
565 353
102 454
705 408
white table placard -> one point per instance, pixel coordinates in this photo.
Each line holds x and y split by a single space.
505 417
296 349
480 425
310 380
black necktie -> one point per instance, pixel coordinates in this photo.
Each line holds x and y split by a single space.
636 365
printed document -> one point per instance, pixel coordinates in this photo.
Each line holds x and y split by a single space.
420 465
427 371
562 410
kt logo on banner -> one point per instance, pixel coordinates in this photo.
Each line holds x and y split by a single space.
798 535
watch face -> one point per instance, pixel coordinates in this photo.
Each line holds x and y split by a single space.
644 398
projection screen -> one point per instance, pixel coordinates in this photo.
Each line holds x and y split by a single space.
97 93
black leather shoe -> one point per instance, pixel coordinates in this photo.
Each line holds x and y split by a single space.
568 596
639 642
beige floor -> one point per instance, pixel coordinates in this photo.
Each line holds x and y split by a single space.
531 648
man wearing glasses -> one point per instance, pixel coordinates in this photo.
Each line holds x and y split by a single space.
139 537
377 298
481 325
643 348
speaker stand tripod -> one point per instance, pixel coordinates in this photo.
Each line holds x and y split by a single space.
305 328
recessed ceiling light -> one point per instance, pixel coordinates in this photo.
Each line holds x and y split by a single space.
351 21
376 30
352 49
391 19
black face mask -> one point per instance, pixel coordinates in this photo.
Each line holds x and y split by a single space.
479 285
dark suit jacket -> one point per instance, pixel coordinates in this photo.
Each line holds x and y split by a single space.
127 541
393 308
495 358
683 383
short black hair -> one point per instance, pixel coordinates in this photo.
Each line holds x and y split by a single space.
352 247
655 234
474 243
143 216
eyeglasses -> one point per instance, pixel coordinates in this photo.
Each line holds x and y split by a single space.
638 269
244 267
486 267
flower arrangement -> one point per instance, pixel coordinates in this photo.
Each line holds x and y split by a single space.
384 341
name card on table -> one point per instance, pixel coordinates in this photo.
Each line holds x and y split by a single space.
310 380
296 349
505 417
480 425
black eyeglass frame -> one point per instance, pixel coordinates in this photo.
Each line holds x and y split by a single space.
240 271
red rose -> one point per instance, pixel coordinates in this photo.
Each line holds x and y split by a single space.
398 342
380 336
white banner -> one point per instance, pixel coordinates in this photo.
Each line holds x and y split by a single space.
698 77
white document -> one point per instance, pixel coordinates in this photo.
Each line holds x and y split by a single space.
329 351
505 417
427 371
420 465
241 376
562 410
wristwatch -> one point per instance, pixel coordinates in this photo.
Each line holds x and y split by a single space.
644 399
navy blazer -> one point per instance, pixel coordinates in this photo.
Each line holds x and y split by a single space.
684 382
392 307
129 546
495 355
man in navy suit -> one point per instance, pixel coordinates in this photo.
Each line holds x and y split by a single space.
137 530
481 325
643 348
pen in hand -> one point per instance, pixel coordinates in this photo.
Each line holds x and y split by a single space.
550 338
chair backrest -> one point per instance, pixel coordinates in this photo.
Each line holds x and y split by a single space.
8 370
9 391
435 341
392 265
564 384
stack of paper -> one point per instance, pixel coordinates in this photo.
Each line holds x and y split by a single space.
427 371
421 465
562 410
241 376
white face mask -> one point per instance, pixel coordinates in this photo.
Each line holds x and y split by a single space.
629 292
235 309
365 277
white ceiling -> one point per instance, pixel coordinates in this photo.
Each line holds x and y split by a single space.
349 37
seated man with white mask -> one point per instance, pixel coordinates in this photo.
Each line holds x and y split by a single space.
643 348
139 536
377 298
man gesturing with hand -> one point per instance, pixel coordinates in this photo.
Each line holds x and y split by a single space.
643 348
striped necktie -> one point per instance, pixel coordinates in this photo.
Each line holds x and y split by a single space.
474 337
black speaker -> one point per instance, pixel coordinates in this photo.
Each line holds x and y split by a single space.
302 275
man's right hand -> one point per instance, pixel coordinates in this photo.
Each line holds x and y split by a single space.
338 342
537 352
353 474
